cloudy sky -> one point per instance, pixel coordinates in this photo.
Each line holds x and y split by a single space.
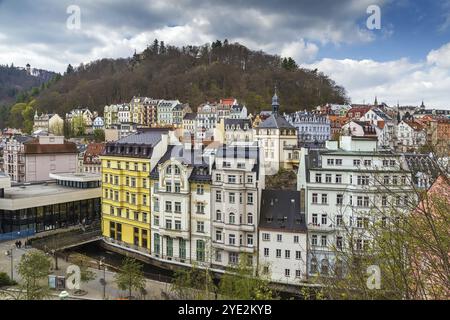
406 60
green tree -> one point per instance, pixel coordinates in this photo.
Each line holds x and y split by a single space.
193 284
34 268
70 69
130 277
99 135
240 282
78 126
16 115
28 117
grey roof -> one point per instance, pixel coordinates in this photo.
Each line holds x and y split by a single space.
381 114
276 121
244 152
190 116
280 210
192 157
144 137
239 123
422 163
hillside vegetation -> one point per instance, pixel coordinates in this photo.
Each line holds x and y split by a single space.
191 74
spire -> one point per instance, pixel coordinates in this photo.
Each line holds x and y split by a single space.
422 106
275 103
376 102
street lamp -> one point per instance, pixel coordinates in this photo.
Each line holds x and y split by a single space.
103 280
10 254
53 251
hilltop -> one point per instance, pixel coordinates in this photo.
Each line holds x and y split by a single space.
192 74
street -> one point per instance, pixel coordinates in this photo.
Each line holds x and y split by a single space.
94 287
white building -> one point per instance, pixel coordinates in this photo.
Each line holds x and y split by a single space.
311 127
282 237
98 123
411 135
237 181
343 188
180 202
276 138
237 130
385 126
124 113
165 112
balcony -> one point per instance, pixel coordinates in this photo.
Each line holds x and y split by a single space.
235 227
321 228
233 248
174 233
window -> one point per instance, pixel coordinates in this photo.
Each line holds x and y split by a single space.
318 178
324 219
177 225
384 201
324 267
323 241
200 208
218 196
287 273
385 163
313 265
324 198
330 162
338 178
250 198
231 179
232 239
168 224
250 240
266 252
200 226
339 220
218 215
266 236
279 237
394 180
249 179
156 220
200 250
328 178
359 222
168 206
339 199
231 218
249 218
218 177
363 180
168 187
169 170
295 239
177 207
231 197
177 170
177 187
314 240
339 162
233 258
200 189
287 254
298 273
278 253
356 163
367 163
392 163
314 198
298 255
182 249
339 242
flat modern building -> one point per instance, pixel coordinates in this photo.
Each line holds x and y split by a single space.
68 199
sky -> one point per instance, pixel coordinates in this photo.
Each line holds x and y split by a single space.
406 60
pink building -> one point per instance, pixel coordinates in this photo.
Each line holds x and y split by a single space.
49 154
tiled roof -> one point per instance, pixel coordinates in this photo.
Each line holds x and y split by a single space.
280 210
275 121
34 147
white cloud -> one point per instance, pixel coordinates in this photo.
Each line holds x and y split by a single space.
301 51
391 81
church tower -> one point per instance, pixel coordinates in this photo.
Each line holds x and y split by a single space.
275 103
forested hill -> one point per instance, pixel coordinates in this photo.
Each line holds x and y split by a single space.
192 74
15 80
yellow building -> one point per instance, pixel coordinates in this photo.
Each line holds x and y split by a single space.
126 167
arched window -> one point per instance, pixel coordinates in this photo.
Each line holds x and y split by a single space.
324 267
250 218
313 265
177 170
169 170
232 218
